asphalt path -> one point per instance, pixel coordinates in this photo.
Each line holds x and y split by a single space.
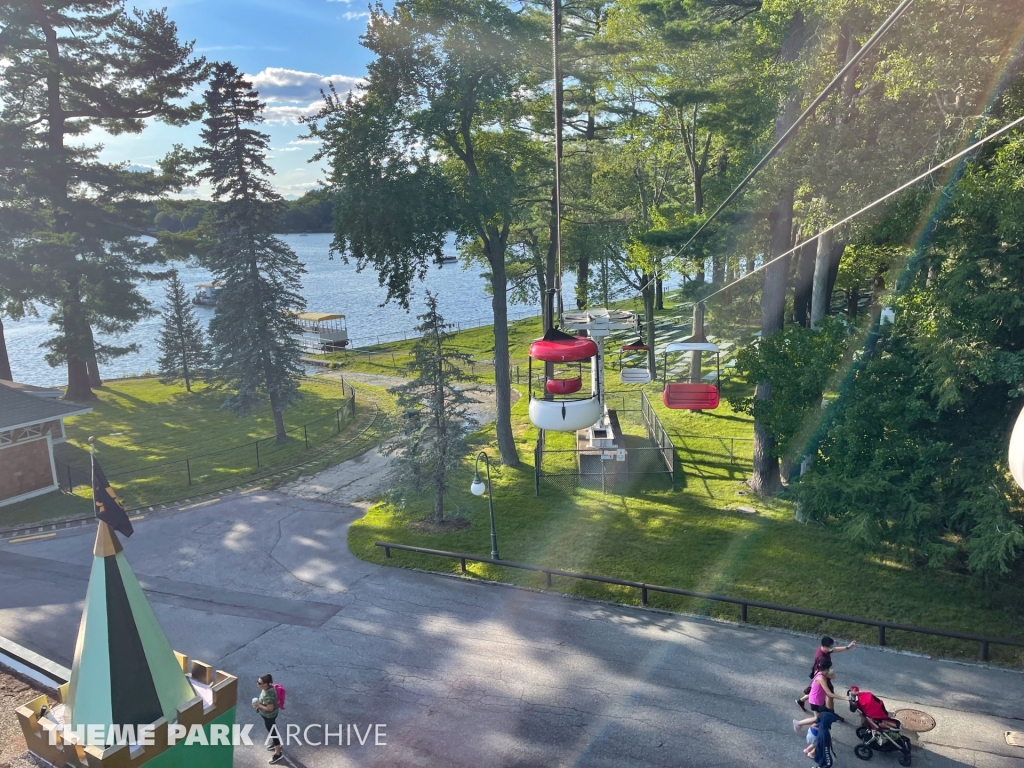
468 674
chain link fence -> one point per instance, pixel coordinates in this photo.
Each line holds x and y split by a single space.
644 458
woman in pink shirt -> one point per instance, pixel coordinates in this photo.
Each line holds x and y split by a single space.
821 698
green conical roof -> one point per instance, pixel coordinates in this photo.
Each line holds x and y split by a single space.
124 672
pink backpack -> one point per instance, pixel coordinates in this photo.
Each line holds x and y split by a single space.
280 691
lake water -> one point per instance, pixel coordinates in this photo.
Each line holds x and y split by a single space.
329 285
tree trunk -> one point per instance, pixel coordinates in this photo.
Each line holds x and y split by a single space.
820 297
439 504
281 435
718 269
749 265
78 389
852 300
91 363
659 294
583 282
5 361
804 283
698 332
502 381
648 296
833 271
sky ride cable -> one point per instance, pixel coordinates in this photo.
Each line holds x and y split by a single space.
791 131
879 201
556 24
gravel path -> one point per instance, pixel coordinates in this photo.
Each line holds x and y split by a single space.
15 690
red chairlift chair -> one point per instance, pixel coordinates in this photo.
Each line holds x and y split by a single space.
685 395
567 414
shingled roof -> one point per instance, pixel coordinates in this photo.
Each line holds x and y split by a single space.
18 409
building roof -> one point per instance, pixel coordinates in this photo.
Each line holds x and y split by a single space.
19 409
32 389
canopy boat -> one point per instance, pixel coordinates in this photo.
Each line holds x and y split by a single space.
323 331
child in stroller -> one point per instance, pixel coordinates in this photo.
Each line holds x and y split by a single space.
878 730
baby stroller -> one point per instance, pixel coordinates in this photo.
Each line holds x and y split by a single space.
878 730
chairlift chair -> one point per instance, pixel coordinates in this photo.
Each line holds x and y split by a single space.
635 375
693 397
565 413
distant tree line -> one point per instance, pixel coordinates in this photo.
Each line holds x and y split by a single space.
310 213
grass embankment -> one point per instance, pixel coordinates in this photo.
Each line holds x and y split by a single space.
157 443
393 358
693 538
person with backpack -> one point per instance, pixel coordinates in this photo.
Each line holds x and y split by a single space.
268 704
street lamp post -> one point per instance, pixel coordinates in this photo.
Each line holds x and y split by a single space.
477 489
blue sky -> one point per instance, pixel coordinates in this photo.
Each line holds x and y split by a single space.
290 48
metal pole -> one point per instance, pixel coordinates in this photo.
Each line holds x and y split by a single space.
188 468
490 503
305 436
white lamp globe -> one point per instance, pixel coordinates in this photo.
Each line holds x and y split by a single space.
478 487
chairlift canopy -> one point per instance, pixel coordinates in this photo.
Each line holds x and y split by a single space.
691 346
558 347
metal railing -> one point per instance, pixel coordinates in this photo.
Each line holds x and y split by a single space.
745 604
657 434
723 439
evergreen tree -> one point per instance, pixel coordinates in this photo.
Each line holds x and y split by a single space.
67 67
184 352
254 331
433 445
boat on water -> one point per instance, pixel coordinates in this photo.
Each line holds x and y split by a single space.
322 331
206 293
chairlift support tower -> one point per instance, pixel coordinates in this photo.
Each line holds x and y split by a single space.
598 325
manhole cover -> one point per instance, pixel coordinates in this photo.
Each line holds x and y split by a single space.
1015 738
914 720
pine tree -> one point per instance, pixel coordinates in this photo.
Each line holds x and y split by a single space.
184 351
254 331
433 444
72 221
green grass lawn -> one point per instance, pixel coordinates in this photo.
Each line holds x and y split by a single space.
692 538
157 443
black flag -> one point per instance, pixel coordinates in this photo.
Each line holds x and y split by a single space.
108 507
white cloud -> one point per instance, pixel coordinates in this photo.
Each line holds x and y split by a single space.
277 84
352 15
285 149
291 113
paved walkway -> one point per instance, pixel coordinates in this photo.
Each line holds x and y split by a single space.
467 674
